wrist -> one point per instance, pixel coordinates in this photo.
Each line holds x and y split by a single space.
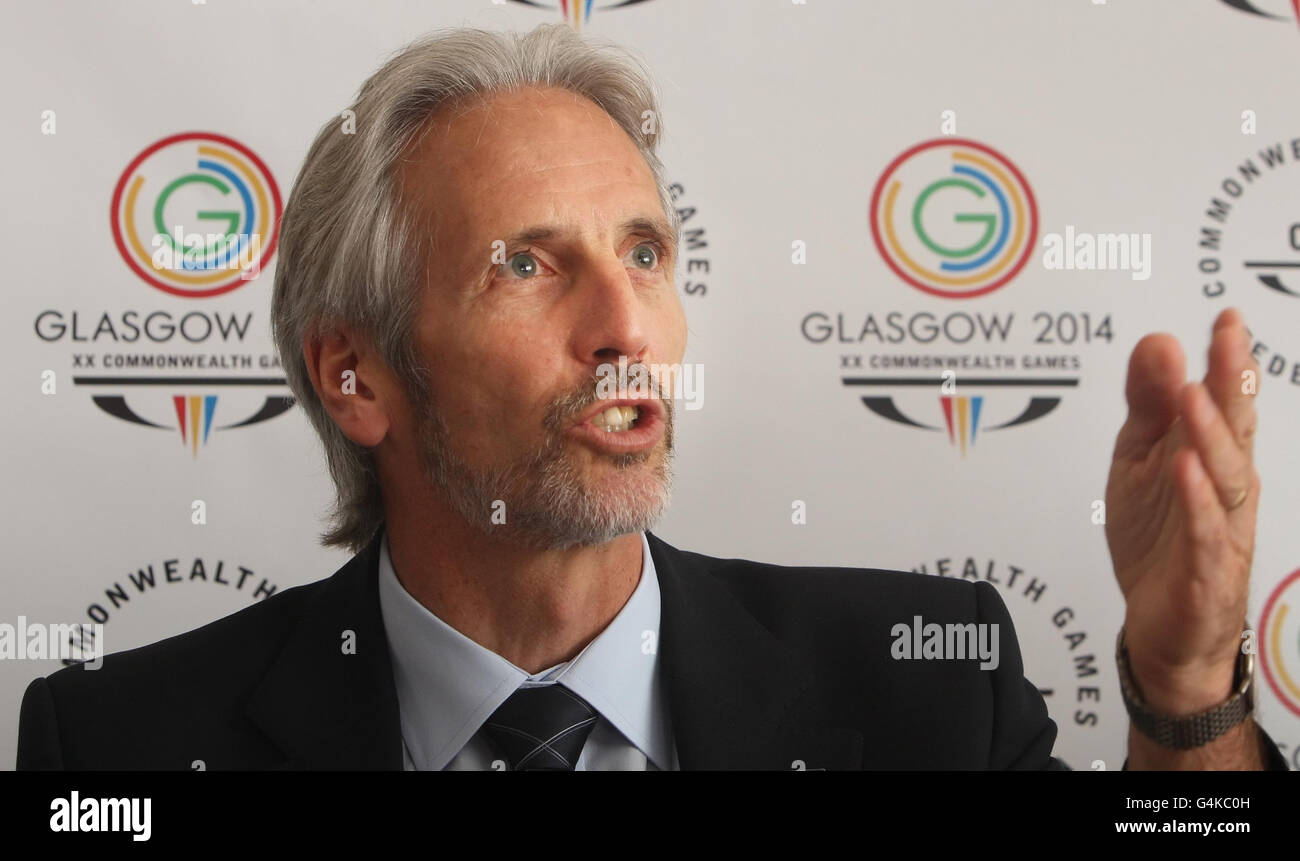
1186 707
1186 690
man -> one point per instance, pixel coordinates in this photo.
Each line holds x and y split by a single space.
454 281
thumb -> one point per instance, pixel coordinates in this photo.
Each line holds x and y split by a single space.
1157 371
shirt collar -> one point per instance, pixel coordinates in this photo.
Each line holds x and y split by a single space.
448 685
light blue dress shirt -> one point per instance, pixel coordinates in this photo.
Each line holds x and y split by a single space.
448 685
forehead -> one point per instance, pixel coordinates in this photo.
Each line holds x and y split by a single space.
524 156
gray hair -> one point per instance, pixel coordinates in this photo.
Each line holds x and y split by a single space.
347 253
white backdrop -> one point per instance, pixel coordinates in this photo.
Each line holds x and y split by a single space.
780 120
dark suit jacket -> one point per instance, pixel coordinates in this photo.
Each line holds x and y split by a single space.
763 666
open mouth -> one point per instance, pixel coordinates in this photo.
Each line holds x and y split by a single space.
616 419
627 426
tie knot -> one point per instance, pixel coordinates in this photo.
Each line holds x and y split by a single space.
541 728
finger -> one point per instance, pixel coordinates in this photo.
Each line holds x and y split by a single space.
1232 377
1207 523
1156 372
1220 454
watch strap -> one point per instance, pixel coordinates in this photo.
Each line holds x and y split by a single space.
1189 731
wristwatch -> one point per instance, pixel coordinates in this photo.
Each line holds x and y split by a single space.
1183 733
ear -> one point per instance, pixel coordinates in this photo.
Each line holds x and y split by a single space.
353 384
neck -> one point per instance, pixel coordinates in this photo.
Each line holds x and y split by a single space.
535 608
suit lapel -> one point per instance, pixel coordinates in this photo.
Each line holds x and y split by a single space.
738 697
327 709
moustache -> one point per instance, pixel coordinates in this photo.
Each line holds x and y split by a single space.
568 407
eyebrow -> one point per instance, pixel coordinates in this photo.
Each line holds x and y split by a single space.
655 227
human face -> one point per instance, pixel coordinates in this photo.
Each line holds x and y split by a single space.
549 255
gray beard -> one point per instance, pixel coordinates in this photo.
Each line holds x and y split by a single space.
547 504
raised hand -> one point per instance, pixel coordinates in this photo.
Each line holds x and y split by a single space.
1181 502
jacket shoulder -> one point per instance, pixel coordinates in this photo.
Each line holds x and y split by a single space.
245 640
976 710
140 701
780 594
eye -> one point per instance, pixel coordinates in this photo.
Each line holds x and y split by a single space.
645 255
523 265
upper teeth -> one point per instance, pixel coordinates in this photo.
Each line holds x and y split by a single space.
616 418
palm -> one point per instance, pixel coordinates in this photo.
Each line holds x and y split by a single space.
1180 533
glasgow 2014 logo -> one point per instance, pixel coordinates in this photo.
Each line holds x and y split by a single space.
196 215
927 200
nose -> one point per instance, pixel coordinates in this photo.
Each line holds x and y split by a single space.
611 321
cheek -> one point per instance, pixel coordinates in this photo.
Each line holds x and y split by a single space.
675 329
491 382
